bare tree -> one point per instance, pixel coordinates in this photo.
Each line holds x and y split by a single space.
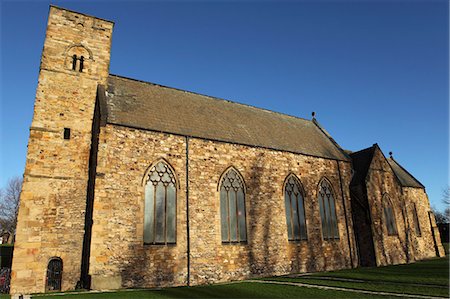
441 217
446 196
9 205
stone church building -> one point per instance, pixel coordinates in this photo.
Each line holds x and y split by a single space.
134 184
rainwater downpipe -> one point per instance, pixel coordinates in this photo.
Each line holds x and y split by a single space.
188 247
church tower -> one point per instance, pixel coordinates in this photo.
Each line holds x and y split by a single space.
51 221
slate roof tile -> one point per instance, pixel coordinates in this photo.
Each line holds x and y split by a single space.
159 108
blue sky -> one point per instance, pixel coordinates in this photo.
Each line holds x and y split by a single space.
373 71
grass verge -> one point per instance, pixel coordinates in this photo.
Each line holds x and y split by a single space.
233 290
428 277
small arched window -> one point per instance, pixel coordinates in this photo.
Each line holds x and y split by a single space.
54 274
160 205
416 221
232 207
389 216
295 209
327 207
78 58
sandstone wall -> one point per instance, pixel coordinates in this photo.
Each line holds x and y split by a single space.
423 244
53 199
381 179
120 259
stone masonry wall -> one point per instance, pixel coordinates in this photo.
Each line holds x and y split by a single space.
423 243
380 180
53 198
119 258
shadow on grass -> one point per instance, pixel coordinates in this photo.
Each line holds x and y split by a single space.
234 290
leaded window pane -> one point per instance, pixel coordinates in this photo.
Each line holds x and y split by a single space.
160 205
149 214
160 216
171 214
224 215
232 207
394 226
287 204
295 216
301 214
241 215
333 222
326 202
327 207
416 221
389 216
233 215
295 211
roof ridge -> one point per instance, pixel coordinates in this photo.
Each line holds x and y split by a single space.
362 150
211 97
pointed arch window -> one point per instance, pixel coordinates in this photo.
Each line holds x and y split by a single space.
416 221
295 209
389 216
232 207
327 207
160 205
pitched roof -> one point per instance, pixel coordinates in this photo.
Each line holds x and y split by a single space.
361 162
362 159
158 108
405 178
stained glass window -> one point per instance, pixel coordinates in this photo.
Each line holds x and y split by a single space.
389 216
327 209
295 209
232 207
160 205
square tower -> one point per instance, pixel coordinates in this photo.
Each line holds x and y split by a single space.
51 220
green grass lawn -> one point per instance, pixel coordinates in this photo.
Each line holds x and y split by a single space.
422 278
234 290
430 277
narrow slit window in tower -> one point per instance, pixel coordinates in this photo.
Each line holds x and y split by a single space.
81 63
74 62
66 133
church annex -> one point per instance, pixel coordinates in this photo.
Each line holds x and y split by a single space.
133 184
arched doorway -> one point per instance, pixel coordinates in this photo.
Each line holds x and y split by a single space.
54 274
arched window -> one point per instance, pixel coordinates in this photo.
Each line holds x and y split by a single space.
160 205
327 208
232 207
295 209
389 216
416 221
54 274
78 58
